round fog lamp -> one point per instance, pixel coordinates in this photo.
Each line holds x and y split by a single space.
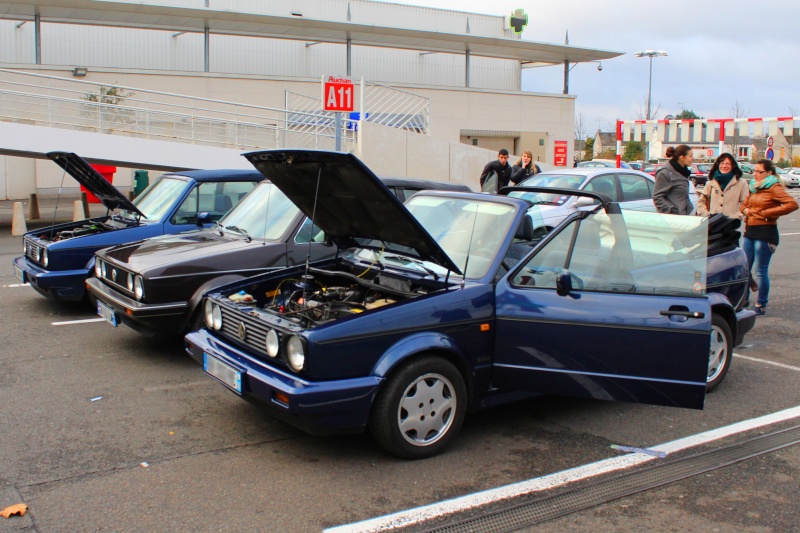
138 287
273 343
216 317
296 353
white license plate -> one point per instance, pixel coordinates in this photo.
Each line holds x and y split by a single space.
223 372
106 312
19 274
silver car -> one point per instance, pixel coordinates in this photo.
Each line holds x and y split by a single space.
633 189
792 177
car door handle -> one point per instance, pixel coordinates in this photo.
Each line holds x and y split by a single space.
686 313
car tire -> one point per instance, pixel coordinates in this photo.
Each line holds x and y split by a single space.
427 394
720 352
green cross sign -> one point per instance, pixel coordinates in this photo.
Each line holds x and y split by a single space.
518 20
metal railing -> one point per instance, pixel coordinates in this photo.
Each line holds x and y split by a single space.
57 102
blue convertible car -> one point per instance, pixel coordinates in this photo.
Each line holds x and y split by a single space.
58 259
448 304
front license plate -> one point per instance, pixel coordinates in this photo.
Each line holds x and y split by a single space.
223 372
19 274
106 312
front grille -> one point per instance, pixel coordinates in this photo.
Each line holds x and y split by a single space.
33 251
255 331
117 278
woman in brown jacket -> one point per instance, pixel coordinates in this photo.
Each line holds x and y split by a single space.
725 190
768 200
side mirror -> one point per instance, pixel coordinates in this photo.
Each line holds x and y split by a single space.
564 283
204 218
585 201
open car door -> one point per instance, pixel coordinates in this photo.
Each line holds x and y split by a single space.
611 306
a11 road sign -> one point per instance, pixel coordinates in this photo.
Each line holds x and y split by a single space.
338 93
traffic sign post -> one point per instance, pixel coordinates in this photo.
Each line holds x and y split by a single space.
338 95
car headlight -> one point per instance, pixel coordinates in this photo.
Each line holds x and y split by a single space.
207 308
296 352
216 317
98 272
273 343
138 287
129 282
38 254
102 269
45 258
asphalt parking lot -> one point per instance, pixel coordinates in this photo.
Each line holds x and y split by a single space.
106 430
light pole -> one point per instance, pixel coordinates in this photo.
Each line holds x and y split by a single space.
650 54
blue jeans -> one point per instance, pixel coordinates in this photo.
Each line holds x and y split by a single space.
759 252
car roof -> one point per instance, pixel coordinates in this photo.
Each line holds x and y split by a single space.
220 175
413 183
590 172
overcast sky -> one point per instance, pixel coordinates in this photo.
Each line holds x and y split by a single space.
720 52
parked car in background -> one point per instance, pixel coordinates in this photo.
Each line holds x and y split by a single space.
58 259
700 174
426 314
792 177
602 163
155 285
747 170
636 165
632 189
652 168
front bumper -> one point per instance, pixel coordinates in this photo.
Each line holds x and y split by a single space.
745 320
167 318
54 284
316 407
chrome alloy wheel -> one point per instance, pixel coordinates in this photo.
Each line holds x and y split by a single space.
718 355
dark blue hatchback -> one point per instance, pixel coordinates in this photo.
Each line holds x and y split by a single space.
449 304
58 259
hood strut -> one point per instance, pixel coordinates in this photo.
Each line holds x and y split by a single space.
308 255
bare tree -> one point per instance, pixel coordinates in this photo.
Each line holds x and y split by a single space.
580 132
737 111
641 112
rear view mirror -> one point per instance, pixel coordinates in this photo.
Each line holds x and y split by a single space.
564 283
204 218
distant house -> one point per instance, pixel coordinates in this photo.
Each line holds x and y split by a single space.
604 141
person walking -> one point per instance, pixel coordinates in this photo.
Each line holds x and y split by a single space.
500 168
671 192
524 168
768 201
725 190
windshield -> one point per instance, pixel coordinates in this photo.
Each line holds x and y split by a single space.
469 231
265 213
561 181
157 200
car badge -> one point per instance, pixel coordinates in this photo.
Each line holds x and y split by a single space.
114 274
242 330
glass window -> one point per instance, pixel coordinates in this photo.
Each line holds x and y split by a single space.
635 252
266 213
308 232
604 184
634 187
156 201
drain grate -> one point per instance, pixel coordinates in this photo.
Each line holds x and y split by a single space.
599 492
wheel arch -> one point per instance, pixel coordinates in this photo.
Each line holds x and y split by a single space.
197 296
420 345
722 307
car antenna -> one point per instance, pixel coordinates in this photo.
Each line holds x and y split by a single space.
469 248
306 278
58 196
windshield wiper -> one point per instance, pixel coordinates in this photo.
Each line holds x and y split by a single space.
237 229
416 262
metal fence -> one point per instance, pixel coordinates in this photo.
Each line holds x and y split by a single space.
57 102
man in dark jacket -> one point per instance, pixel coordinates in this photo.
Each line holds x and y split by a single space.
499 167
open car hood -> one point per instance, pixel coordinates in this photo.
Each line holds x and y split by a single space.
78 168
346 200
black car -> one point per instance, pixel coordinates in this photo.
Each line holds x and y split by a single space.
264 232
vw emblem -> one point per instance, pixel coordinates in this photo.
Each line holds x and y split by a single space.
242 330
114 274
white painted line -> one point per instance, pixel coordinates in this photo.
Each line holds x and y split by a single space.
785 234
13 285
84 321
471 501
773 363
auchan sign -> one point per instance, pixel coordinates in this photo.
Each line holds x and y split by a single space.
338 93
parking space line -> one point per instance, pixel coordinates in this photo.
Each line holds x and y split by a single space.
84 321
766 362
557 479
13 285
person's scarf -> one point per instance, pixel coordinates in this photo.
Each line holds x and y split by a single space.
723 179
680 168
766 183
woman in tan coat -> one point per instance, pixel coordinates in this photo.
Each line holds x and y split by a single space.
725 190
767 202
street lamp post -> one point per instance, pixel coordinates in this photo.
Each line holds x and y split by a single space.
649 54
